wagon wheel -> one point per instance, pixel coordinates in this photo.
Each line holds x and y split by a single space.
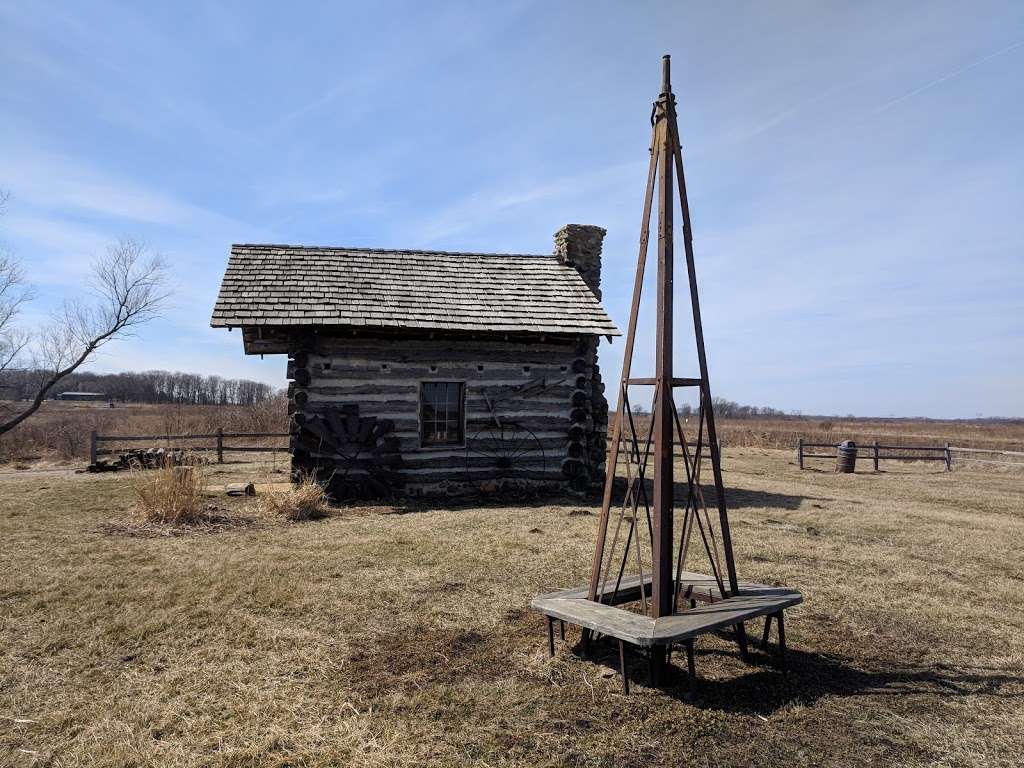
507 451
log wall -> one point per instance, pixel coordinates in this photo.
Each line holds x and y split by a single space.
381 378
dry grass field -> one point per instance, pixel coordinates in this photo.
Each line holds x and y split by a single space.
59 433
387 636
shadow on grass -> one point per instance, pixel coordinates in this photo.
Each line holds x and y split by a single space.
406 506
736 498
809 677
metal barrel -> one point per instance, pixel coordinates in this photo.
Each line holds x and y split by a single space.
846 456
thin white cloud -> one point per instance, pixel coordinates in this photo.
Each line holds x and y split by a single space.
480 209
948 76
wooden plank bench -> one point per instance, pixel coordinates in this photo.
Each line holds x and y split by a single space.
713 612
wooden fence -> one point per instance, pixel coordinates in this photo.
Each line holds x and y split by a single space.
1016 460
218 437
945 453
941 453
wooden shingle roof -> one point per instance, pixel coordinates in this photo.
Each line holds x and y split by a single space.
281 285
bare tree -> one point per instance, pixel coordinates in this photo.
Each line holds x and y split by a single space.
129 287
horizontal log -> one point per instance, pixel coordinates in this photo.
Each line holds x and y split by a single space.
409 396
992 461
335 387
139 438
987 450
881 457
871 447
167 449
513 376
533 461
410 446
426 474
676 382
450 349
904 457
254 448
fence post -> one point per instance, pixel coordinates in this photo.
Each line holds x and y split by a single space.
92 447
949 459
800 452
220 445
876 455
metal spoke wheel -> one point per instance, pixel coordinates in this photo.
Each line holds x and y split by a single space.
504 452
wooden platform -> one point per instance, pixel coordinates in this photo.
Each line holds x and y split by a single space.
714 612
704 610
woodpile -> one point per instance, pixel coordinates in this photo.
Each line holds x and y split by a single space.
144 458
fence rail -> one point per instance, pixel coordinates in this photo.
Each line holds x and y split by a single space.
945 453
219 436
990 452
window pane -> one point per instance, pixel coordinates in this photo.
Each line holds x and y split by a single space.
441 413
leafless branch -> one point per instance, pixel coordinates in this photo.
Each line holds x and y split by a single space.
129 289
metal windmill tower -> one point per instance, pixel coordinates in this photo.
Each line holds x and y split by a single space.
664 179
645 538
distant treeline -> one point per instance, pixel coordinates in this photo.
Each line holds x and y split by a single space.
144 387
727 409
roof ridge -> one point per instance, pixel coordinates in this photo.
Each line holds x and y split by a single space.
410 251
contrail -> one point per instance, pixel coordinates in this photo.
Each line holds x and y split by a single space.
950 76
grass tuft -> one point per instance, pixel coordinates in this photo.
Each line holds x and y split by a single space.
172 494
304 500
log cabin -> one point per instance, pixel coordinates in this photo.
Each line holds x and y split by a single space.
431 372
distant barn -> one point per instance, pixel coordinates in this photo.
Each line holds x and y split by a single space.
82 396
432 372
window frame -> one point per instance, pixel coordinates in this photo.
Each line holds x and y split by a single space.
434 445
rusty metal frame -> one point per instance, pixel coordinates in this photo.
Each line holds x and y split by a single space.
665 179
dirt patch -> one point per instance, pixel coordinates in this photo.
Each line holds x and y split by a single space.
214 520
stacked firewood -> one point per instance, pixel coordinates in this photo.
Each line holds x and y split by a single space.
143 458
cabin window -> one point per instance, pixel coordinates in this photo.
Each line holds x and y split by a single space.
442 413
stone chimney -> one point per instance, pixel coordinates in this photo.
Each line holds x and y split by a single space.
579 246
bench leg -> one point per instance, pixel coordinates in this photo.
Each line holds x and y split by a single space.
767 630
782 640
562 629
622 666
691 671
741 640
551 636
658 660
586 642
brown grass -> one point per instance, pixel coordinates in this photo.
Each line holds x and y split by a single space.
390 639
304 500
60 430
170 494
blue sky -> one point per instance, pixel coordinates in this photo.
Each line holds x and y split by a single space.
855 169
